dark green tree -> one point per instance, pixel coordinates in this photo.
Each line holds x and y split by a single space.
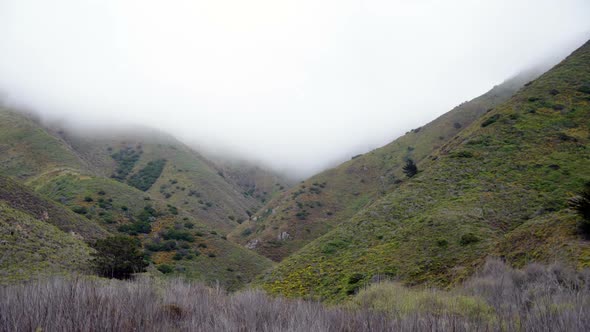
410 168
581 203
118 257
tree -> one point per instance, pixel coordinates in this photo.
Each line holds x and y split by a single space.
118 257
581 204
410 169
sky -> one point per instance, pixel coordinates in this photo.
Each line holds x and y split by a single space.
295 85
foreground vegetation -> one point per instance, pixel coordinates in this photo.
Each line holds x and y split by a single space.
499 298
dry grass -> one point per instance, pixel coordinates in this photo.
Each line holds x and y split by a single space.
537 298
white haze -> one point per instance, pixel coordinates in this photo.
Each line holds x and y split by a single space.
297 85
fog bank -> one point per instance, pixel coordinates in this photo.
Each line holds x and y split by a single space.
297 85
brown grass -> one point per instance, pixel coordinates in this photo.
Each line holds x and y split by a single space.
537 298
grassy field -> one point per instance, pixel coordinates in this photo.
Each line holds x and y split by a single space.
500 186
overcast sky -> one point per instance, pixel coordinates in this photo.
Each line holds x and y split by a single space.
295 84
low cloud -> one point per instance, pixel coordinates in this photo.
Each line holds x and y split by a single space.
297 85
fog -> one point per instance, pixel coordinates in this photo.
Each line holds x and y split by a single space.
297 85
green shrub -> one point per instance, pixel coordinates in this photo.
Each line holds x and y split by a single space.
581 204
136 227
490 120
410 168
468 238
165 268
126 160
462 154
118 257
147 176
80 209
173 234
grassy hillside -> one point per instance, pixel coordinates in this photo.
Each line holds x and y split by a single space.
500 187
27 150
19 197
254 181
172 237
167 170
146 185
33 248
39 237
316 205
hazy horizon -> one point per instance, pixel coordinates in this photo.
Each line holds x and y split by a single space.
295 85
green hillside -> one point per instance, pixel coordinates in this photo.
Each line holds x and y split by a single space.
146 185
316 205
167 170
499 187
38 237
19 197
27 150
170 235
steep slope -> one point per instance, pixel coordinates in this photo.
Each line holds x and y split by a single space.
167 170
316 205
19 197
171 236
27 150
162 192
499 188
38 237
254 181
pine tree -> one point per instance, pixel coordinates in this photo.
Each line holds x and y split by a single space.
410 169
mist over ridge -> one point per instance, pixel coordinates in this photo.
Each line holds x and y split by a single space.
297 86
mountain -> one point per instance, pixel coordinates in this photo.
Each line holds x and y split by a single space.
316 205
499 187
142 183
165 168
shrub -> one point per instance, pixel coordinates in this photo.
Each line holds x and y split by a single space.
88 199
584 89
135 228
462 154
468 238
165 268
173 234
80 209
118 257
147 176
410 169
126 160
490 120
581 204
